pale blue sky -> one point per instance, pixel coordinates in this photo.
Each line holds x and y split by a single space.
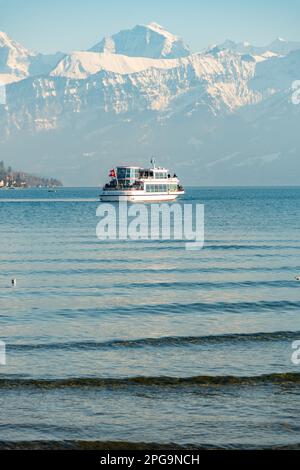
68 25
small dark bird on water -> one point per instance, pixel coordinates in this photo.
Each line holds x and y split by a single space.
14 282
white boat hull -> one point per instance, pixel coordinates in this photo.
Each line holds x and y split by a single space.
138 196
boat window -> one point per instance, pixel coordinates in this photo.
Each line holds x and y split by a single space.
161 175
157 188
121 173
128 175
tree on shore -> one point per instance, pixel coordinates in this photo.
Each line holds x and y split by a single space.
21 179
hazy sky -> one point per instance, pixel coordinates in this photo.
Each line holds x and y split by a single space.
67 25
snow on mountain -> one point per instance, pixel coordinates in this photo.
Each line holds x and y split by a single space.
87 84
218 79
141 92
276 74
80 65
282 47
14 59
17 62
150 40
279 47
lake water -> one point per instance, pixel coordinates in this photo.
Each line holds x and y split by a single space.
143 341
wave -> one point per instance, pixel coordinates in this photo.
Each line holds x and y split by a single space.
287 378
207 285
176 308
176 245
184 285
251 247
270 307
202 307
161 341
131 445
293 270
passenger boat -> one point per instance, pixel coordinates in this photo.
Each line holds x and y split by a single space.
136 184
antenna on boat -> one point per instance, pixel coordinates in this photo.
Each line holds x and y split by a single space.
152 161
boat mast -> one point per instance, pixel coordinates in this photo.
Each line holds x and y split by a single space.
152 161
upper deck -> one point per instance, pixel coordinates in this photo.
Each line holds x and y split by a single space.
130 174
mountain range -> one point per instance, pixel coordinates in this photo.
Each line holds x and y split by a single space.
224 115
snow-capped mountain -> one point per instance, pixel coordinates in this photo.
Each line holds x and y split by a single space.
278 47
14 60
94 83
148 94
282 46
80 65
150 40
17 62
276 74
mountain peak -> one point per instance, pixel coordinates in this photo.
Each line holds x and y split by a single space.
5 40
3 35
157 28
14 59
17 62
279 46
13 46
283 47
152 41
